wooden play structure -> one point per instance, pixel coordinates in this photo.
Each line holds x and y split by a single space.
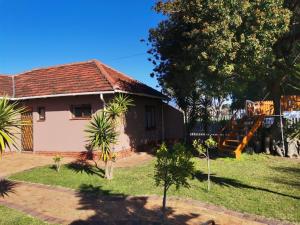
236 135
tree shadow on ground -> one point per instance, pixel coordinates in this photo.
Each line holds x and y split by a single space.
6 187
291 177
83 166
115 208
229 182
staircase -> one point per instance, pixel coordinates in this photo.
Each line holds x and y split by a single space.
235 136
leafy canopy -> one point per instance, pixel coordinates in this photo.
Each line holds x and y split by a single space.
203 148
173 167
216 47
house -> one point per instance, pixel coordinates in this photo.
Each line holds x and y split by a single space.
61 99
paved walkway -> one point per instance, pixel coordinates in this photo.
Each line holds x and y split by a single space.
67 206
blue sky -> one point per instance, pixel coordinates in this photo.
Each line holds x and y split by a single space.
39 33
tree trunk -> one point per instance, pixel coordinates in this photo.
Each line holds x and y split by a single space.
164 204
106 175
185 127
208 169
111 170
276 127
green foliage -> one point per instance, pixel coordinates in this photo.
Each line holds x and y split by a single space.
10 123
210 143
118 106
203 148
102 128
244 49
101 134
123 101
216 38
173 167
57 162
13 217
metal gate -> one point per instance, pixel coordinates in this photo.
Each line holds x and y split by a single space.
27 130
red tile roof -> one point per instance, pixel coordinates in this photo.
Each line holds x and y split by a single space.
6 85
75 78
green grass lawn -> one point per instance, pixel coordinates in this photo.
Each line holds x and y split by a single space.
13 217
258 184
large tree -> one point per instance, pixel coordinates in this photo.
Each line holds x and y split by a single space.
221 47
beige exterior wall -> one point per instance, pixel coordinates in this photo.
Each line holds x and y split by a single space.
60 133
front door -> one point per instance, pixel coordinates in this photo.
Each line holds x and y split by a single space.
27 130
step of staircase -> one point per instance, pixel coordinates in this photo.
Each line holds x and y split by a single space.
225 147
232 142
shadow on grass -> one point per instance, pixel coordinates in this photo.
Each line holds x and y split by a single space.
290 170
115 208
6 187
229 182
291 177
82 166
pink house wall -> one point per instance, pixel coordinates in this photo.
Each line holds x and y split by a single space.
59 132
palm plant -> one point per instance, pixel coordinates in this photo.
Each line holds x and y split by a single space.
118 107
10 123
115 110
124 102
102 130
101 134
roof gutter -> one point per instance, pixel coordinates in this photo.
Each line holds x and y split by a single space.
83 93
62 95
141 94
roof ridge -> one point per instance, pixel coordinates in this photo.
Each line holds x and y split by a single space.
123 74
109 79
50 67
6 75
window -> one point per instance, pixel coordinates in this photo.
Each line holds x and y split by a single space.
150 120
42 113
81 111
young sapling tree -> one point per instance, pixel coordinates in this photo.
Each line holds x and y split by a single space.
203 150
173 167
57 162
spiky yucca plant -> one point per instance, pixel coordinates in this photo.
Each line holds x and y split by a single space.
115 110
102 130
101 134
118 107
10 123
